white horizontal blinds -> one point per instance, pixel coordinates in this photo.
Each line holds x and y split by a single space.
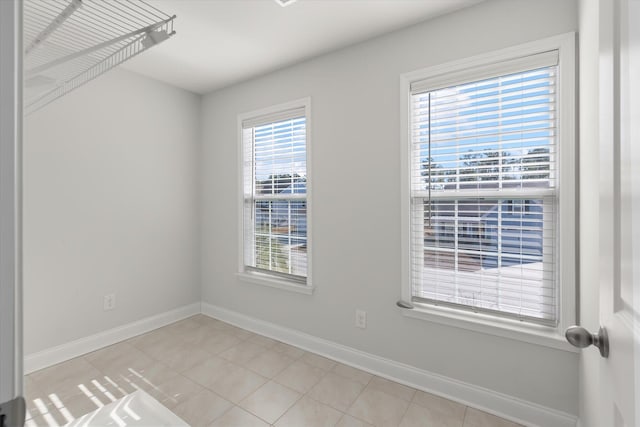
491 255
275 186
483 185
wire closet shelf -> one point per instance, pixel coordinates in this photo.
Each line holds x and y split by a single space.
68 43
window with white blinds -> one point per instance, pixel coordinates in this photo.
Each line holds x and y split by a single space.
275 194
484 189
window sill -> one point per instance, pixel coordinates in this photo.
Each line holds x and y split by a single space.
266 280
491 325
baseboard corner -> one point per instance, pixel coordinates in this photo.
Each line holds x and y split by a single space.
60 353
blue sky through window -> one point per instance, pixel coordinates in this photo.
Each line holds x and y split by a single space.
280 149
511 117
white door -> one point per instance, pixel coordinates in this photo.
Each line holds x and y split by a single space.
620 210
10 262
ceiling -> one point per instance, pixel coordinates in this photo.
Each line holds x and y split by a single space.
222 42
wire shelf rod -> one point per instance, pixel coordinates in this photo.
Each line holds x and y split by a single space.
84 21
75 36
150 19
152 7
92 29
64 43
92 49
155 16
88 13
118 19
62 38
53 25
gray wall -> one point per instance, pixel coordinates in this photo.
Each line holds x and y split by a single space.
356 202
111 203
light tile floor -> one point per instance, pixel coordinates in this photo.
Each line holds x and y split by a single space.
213 374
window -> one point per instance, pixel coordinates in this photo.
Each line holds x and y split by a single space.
275 236
488 157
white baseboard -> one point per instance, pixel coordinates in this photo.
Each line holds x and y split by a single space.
505 406
60 353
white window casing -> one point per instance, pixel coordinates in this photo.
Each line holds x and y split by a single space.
488 192
275 196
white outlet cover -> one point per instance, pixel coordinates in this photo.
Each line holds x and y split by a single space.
109 301
361 319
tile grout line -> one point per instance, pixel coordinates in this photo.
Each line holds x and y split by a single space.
356 399
328 404
464 418
242 336
302 395
406 409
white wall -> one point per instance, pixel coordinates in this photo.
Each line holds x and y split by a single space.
356 252
110 205
589 199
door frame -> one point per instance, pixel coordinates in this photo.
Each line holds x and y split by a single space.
11 358
618 182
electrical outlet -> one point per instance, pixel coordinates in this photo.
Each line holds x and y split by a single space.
361 319
109 302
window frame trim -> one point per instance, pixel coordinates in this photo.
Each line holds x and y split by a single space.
265 278
567 186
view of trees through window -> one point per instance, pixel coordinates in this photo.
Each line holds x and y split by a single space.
483 183
489 165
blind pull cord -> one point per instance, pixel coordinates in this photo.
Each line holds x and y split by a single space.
429 140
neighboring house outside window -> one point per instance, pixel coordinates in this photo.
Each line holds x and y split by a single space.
489 162
275 199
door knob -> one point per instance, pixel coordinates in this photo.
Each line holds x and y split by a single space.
581 338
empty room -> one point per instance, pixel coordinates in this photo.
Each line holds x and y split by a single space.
319 213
